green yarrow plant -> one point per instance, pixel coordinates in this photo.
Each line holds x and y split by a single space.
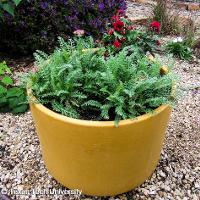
80 82
12 98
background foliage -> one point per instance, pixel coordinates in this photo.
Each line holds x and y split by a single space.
38 23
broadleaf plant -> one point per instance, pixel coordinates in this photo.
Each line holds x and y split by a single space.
85 84
12 98
180 50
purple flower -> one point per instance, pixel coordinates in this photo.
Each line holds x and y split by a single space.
44 5
101 6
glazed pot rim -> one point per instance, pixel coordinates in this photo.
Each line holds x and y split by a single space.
90 123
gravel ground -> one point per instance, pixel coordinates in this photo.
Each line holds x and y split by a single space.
138 11
177 175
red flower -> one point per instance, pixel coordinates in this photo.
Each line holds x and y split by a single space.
117 44
155 26
120 12
118 25
123 32
115 18
158 42
111 31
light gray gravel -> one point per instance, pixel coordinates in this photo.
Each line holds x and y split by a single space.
139 11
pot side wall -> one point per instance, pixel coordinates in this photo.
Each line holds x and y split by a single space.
101 160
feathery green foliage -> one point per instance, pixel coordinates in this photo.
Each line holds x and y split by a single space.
80 82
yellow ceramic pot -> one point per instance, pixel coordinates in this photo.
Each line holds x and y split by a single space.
97 157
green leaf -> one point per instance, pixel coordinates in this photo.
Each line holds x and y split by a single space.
14 92
4 68
17 100
126 21
16 2
3 100
92 103
9 8
20 109
116 34
13 102
7 80
2 90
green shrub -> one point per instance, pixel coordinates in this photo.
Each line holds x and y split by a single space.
37 24
83 84
180 50
12 99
